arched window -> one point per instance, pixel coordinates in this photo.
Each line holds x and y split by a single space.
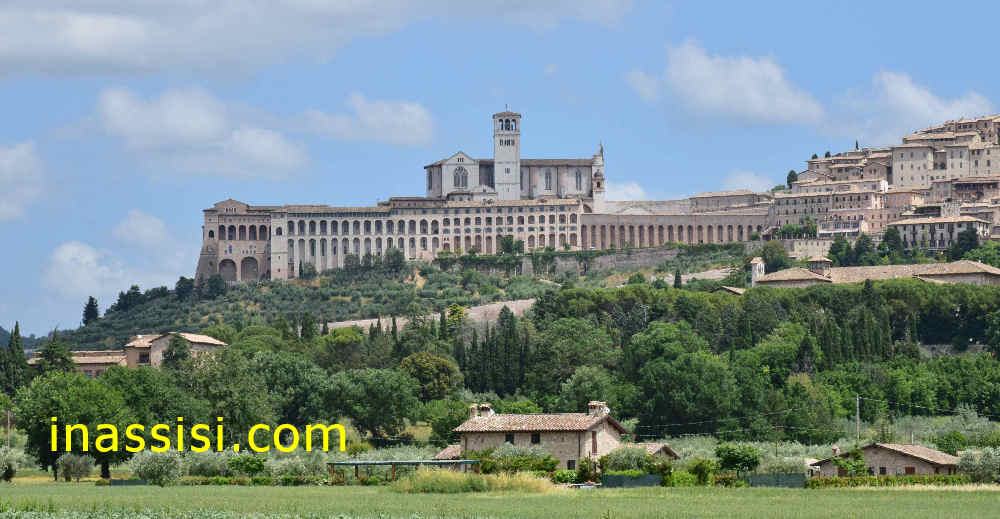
322 227
461 177
243 232
232 233
262 234
211 234
291 228
572 218
579 180
345 228
302 227
253 233
312 227
356 227
222 232
548 179
513 124
278 231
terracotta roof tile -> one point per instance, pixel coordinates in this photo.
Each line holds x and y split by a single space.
793 274
655 447
450 452
534 422
927 454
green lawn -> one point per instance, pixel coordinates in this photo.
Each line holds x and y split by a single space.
632 503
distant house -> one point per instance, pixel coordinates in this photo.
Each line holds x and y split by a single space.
894 459
732 290
147 350
93 362
820 271
569 437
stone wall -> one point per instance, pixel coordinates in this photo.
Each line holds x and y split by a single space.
620 260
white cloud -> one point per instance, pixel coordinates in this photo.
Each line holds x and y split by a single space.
114 36
551 69
143 230
393 122
896 105
191 130
621 191
20 179
647 86
747 180
76 270
744 87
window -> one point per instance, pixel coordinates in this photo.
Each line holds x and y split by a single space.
593 442
536 437
548 179
579 180
570 464
881 471
509 438
143 358
909 471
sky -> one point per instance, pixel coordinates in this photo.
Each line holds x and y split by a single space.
120 120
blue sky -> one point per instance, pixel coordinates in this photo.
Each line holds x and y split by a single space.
123 120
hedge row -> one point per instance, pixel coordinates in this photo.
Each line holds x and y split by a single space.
889 481
282 481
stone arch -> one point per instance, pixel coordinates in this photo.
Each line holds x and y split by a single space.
253 233
227 269
291 228
222 232
232 233
389 227
541 240
412 228
423 226
312 226
356 247
345 227
302 227
368 227
435 244
243 232
356 227
423 243
249 269
434 227
322 227
413 246
401 227
400 243
489 244
572 239
531 241
211 234
368 245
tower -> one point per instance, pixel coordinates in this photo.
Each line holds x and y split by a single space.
507 155
597 186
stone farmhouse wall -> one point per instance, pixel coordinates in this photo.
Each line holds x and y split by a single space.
893 462
565 446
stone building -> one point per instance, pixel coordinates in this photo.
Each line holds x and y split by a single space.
147 350
569 437
894 459
93 362
470 203
938 233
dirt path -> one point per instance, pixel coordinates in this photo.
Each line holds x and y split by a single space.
476 314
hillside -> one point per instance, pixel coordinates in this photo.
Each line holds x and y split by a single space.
352 294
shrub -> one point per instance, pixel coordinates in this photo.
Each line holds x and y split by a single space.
513 458
157 468
702 470
207 464
74 466
889 481
982 467
742 458
10 460
683 479
951 442
438 481
101 482
564 476
623 458
247 464
287 466
586 470
632 473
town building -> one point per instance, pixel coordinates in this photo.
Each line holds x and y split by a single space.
568 437
938 233
894 459
141 350
92 362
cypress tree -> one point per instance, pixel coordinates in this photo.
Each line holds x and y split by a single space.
55 356
90 311
395 331
443 326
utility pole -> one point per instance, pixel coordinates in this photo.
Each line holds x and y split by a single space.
857 415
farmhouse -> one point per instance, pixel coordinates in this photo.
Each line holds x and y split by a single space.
92 362
894 459
569 437
147 350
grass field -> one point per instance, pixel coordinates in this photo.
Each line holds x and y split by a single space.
602 504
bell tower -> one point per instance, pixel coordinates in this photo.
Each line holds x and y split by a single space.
507 155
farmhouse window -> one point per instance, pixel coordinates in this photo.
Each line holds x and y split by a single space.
909 471
570 464
509 438
143 358
593 442
536 438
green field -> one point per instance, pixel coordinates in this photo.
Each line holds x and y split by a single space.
383 502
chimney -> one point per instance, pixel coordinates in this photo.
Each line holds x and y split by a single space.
836 450
485 409
473 411
597 408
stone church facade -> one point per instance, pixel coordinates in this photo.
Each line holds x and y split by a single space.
470 203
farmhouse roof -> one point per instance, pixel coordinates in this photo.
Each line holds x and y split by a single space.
536 422
145 341
793 274
934 457
732 290
450 452
656 447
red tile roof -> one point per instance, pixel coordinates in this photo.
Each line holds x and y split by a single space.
535 422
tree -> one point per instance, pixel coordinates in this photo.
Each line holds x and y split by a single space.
178 352
695 388
341 349
215 287
55 356
864 251
775 257
678 282
966 241
893 241
299 388
853 462
437 376
636 279
73 399
742 458
394 259
815 156
808 355
564 346
826 155
445 415
184 288
13 363
840 252
90 311
376 400
792 177
591 383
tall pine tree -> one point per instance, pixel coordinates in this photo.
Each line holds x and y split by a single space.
13 363
90 311
55 356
